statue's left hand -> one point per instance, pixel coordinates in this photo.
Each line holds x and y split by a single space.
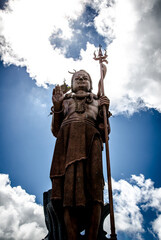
104 101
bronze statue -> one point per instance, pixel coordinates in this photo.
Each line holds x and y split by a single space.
76 170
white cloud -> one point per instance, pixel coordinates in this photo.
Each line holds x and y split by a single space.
156 226
131 199
21 218
26 27
134 55
134 69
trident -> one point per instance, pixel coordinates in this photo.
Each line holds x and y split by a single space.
103 69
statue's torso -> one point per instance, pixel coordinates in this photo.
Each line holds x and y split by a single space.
80 108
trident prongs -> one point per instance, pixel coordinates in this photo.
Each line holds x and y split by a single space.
101 57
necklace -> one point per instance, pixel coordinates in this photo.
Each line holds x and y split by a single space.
80 105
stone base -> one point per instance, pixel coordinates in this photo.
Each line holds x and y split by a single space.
55 222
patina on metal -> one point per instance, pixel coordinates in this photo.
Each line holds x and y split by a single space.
80 122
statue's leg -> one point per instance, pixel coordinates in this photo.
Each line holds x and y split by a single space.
95 185
71 223
94 221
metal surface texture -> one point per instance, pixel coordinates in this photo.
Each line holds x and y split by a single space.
80 122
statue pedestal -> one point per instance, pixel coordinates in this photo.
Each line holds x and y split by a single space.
55 222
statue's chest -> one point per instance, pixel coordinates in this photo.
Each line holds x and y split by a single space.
81 108
80 105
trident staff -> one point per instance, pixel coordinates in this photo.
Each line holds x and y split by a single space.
102 58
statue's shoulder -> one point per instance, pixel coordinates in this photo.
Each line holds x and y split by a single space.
72 95
95 96
69 97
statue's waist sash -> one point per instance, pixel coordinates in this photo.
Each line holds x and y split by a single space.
88 121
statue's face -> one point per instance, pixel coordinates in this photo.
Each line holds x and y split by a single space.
81 81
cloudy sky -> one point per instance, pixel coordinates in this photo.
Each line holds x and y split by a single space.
40 41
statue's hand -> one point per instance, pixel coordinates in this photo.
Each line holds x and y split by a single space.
57 97
104 101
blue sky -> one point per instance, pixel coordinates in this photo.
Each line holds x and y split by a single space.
35 55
